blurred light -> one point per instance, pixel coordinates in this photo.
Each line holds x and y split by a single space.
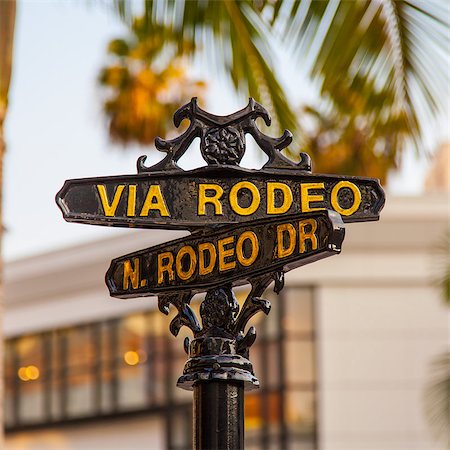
26 345
131 357
33 372
28 373
22 373
136 324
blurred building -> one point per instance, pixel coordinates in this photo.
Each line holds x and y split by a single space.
343 358
438 179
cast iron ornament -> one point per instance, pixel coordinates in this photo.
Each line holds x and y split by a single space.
222 139
220 348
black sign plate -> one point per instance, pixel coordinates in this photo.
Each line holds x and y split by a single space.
231 255
219 196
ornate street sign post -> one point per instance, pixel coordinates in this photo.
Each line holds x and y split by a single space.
247 226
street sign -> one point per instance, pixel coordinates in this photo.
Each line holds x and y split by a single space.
248 226
232 254
213 195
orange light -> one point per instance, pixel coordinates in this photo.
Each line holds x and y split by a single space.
131 358
32 372
28 373
22 374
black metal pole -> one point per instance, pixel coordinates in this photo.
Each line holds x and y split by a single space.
218 415
218 369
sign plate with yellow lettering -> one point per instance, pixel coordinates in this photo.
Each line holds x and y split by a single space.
211 195
234 254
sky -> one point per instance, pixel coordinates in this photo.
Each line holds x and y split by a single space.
55 129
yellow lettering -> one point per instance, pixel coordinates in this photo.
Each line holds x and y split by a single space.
287 198
206 246
283 251
165 264
255 198
214 200
307 198
186 250
110 209
356 198
154 193
131 273
250 236
131 208
226 254
307 235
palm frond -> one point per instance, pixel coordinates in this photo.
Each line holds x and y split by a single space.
390 56
233 35
400 45
250 68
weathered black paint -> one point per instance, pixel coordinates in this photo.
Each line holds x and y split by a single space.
330 234
222 139
218 406
80 202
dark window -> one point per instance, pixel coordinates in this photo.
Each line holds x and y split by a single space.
130 365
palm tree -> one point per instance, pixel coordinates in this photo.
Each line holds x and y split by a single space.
143 91
7 20
379 67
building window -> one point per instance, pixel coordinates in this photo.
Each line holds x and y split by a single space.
130 365
282 413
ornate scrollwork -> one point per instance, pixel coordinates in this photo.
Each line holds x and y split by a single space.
218 312
224 145
222 139
220 348
185 317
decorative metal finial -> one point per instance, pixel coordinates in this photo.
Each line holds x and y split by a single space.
220 348
222 139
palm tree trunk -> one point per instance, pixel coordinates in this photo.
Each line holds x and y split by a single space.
7 21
